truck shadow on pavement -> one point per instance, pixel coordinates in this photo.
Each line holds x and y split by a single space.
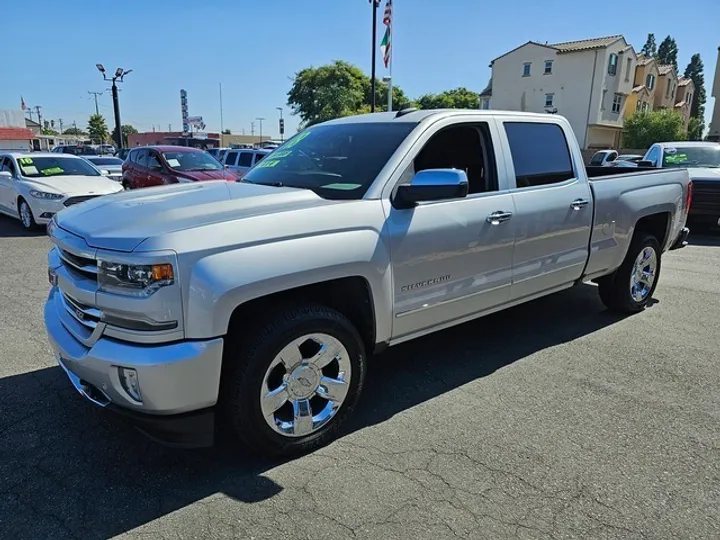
11 228
68 470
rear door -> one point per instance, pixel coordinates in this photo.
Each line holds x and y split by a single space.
245 161
155 169
7 187
553 206
139 169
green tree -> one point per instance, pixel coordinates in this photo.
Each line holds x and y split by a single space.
650 47
643 129
74 131
694 71
668 52
458 98
126 130
47 128
696 128
97 128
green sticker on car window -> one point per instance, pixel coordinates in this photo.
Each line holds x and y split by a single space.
26 161
267 163
676 158
297 139
52 170
282 154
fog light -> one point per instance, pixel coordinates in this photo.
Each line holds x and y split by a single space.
130 383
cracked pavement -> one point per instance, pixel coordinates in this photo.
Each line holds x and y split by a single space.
551 420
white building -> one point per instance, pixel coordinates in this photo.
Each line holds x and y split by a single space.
586 81
714 132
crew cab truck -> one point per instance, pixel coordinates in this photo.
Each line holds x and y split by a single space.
254 305
702 160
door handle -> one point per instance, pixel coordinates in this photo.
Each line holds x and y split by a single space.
496 218
577 204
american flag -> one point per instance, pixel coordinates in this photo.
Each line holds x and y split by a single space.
386 44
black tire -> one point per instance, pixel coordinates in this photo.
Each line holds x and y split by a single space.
126 185
615 290
247 359
31 225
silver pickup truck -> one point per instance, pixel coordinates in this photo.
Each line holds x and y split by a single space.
253 305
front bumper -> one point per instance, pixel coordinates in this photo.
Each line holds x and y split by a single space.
43 209
178 381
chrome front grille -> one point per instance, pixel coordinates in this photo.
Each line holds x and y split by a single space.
76 200
85 266
85 315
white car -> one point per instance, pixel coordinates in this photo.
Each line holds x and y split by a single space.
35 186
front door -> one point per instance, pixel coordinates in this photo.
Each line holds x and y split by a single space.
553 208
450 258
7 186
154 169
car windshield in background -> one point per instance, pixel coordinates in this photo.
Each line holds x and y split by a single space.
106 161
692 156
336 161
42 167
192 161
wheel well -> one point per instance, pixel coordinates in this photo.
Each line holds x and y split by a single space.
656 225
350 296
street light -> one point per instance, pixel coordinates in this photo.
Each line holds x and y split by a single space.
260 119
119 74
282 125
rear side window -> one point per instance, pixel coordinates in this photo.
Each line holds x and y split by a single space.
597 159
245 159
258 157
231 158
540 153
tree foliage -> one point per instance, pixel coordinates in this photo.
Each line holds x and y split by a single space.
127 130
696 128
694 71
74 131
458 98
97 128
643 129
650 47
668 52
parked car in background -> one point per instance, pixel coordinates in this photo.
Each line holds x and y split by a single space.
217 153
603 157
148 166
106 149
702 160
109 166
35 186
76 150
242 160
122 153
260 301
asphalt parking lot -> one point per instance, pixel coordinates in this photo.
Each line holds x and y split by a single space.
551 420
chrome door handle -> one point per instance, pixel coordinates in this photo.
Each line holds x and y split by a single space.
577 204
496 218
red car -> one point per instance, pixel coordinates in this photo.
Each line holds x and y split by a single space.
148 166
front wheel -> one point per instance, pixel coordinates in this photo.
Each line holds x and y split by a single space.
630 288
26 216
292 384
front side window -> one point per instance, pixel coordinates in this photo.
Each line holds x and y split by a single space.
153 161
526 69
195 160
540 153
46 167
597 158
141 157
336 161
231 159
548 67
617 103
612 64
245 159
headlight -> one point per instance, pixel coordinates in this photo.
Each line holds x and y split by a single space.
45 195
134 279
51 226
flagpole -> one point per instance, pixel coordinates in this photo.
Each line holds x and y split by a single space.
374 52
392 54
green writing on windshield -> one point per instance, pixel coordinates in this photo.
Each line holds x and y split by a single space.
26 161
283 154
52 170
297 139
676 158
267 163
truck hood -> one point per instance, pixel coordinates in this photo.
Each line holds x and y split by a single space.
122 221
704 173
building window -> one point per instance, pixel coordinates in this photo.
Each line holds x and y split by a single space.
688 98
526 69
617 103
612 64
650 81
484 103
548 67
627 69
549 98
644 106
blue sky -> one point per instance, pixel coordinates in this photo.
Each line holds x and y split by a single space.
253 48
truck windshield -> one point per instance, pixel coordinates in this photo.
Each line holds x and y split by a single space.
336 161
692 156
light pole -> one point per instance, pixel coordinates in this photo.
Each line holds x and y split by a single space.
260 119
388 80
375 6
119 74
282 125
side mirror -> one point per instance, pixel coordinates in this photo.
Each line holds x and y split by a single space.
431 185
646 163
5 174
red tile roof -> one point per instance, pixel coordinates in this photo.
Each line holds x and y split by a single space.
15 134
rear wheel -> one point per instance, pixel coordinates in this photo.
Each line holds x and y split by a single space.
290 386
26 216
126 185
630 288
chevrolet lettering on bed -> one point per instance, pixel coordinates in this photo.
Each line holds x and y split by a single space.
252 306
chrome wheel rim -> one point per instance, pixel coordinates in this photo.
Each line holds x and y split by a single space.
25 215
306 384
643 274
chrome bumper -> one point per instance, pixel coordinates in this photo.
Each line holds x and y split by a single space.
174 378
